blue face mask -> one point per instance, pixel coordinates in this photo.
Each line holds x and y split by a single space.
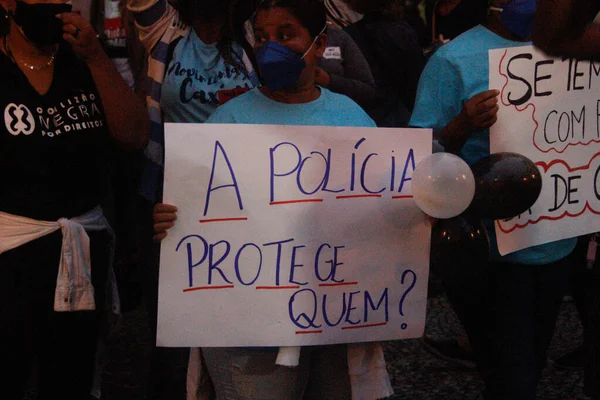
279 65
517 16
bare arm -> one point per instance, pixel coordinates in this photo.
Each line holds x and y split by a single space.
126 114
566 28
454 135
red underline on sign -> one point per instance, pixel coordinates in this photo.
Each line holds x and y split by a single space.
207 288
276 287
307 332
275 203
338 284
566 214
364 326
402 197
357 196
222 220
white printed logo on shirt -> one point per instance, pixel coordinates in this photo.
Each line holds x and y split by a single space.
19 119
332 53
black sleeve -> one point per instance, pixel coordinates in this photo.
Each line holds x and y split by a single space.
357 81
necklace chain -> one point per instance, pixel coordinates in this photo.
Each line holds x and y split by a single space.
27 65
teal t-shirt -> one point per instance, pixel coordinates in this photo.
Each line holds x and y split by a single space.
456 72
330 109
197 80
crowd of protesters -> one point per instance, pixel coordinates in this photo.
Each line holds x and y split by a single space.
81 211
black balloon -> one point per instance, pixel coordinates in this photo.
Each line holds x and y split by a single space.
456 243
506 185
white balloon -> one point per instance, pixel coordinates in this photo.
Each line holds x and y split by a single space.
443 185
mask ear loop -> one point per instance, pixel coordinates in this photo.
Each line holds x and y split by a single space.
314 41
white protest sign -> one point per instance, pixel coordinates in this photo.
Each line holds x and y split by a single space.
292 236
549 112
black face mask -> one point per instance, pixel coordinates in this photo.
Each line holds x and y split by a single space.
38 22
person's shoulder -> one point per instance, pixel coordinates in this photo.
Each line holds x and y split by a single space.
226 112
352 29
461 49
334 100
336 35
243 99
441 57
341 106
466 43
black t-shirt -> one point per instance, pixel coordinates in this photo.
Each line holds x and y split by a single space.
53 147
392 49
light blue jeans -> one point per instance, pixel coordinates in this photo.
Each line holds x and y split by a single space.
249 374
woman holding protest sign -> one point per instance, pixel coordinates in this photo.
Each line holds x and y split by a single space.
289 39
509 305
62 103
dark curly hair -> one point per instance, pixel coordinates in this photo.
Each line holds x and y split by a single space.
310 13
237 11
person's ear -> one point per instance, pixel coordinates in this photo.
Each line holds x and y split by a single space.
321 44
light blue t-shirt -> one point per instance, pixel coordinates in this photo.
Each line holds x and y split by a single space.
456 72
197 80
330 109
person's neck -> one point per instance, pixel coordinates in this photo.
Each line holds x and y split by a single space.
294 94
494 24
24 50
210 31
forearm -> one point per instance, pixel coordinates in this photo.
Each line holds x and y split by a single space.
126 114
454 135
